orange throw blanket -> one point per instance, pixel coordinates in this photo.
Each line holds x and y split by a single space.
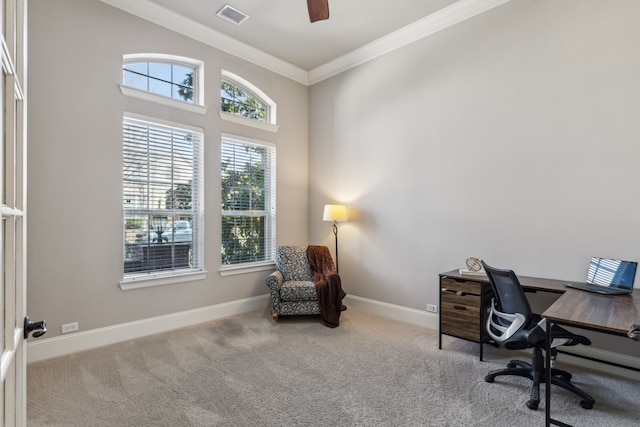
328 284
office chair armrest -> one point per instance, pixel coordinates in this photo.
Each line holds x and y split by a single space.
502 326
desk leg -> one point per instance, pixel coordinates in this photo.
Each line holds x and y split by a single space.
547 373
547 365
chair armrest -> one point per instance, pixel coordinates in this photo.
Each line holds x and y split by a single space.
274 281
503 326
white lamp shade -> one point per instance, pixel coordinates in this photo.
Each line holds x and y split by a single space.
334 213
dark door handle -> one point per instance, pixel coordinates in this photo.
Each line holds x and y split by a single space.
38 328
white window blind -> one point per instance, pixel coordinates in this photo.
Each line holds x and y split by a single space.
163 198
248 201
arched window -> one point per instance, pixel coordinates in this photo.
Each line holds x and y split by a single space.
237 100
156 76
240 98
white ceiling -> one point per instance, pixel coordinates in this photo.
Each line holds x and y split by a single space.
281 27
278 35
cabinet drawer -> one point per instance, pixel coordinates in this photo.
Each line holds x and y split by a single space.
467 300
459 329
461 302
465 286
459 311
460 320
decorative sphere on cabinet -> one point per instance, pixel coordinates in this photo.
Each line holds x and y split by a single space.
473 264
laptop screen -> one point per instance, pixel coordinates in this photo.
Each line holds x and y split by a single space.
612 272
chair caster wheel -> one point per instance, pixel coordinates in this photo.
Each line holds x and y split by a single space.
586 404
511 365
488 378
533 405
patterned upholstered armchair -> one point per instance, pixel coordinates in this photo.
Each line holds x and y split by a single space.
291 285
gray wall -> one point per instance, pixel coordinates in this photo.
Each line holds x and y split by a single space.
512 137
75 165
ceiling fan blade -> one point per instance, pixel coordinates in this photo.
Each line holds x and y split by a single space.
318 10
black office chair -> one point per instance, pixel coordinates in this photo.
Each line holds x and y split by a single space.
512 324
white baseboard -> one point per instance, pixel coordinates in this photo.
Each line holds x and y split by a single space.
66 344
395 312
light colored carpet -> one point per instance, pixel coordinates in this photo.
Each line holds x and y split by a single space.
248 370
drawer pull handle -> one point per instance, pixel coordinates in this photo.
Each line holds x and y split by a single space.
459 307
459 293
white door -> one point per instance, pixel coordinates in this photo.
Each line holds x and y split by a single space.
13 227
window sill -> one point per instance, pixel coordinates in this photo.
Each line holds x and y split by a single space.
158 99
244 269
249 122
148 281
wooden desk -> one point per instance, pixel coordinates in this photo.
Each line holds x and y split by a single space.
465 299
587 310
612 314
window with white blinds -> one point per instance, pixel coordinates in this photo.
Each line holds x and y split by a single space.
248 171
163 198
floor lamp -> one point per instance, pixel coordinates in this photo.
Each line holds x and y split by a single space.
335 213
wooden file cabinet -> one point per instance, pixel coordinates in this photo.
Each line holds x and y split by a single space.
464 301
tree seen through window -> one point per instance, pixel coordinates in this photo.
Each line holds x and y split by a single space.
248 226
237 100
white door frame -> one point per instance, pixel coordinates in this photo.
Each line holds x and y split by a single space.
13 359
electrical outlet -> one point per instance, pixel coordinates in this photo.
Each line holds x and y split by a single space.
69 327
433 308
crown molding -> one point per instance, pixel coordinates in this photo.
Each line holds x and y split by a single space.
431 24
164 17
437 21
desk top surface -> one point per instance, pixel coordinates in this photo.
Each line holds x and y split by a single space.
607 313
529 283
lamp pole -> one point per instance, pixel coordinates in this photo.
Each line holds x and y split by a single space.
335 213
335 233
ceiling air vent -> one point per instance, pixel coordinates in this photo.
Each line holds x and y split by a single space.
232 14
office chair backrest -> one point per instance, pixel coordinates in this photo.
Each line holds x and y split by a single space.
507 290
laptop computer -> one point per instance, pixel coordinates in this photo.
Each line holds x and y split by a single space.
608 276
